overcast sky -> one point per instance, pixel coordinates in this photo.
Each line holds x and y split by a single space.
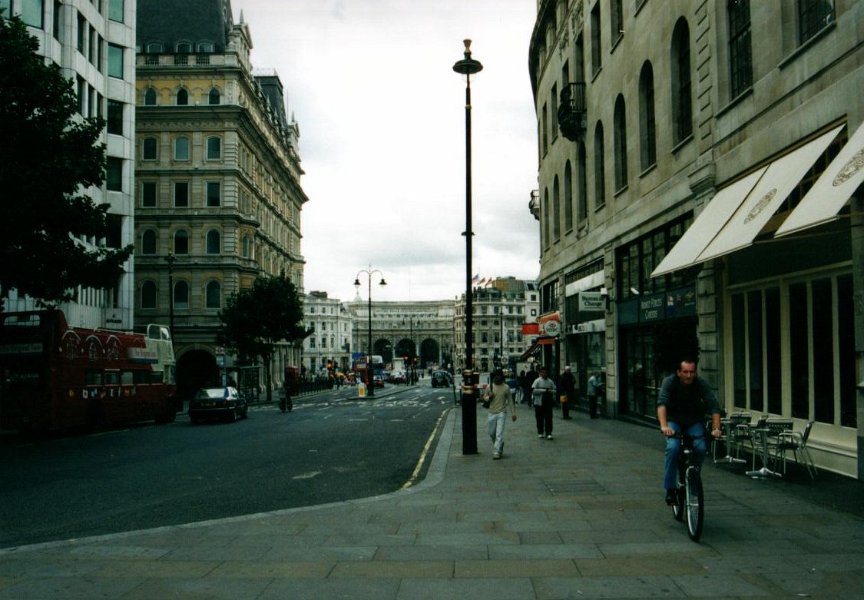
382 138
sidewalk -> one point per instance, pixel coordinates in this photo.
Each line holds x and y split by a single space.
578 517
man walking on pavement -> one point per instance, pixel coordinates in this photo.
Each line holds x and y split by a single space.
567 387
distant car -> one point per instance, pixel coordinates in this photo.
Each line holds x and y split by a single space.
441 379
221 403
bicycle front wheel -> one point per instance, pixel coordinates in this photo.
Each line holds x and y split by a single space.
695 507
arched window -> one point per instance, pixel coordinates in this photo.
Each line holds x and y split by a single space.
546 212
148 242
682 107
181 295
581 182
214 242
620 144
149 293
568 197
599 167
214 295
150 97
181 242
647 127
182 97
214 148
215 97
556 210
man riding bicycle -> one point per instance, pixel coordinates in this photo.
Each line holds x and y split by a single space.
684 400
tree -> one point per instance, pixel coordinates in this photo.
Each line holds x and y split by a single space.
49 157
256 319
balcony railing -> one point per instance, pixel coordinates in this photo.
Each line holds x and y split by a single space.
572 112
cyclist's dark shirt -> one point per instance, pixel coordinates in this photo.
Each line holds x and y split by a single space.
687 404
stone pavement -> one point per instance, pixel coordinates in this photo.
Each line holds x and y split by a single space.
581 516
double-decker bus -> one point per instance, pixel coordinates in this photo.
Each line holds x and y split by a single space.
53 376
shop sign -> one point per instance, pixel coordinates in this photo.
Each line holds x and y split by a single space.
652 308
591 302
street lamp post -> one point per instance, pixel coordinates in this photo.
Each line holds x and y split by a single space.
170 260
370 380
468 66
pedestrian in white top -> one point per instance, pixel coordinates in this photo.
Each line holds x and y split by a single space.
499 402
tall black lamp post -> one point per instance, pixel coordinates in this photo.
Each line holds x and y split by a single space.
468 66
370 379
170 260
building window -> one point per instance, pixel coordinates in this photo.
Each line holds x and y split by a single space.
647 126
214 148
599 168
181 242
568 197
596 60
616 21
115 61
214 242
556 210
682 108
214 295
813 17
148 242
148 152
181 148
181 194
148 194
620 144
182 97
32 13
214 193
115 10
150 97
214 97
115 117
149 293
181 295
740 47
114 174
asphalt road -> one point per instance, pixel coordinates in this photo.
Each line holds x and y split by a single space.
332 447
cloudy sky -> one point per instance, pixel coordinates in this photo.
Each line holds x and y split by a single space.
382 125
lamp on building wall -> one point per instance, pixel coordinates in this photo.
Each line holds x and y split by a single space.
468 66
370 379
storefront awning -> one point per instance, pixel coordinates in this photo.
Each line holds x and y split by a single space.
832 190
705 227
736 215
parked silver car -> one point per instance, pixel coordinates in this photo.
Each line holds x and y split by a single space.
222 403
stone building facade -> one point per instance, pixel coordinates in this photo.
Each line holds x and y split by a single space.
218 193
678 144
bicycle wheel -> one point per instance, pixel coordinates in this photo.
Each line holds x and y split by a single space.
695 507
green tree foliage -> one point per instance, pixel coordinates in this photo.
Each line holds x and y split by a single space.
256 319
49 157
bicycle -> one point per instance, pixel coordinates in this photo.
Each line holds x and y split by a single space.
689 498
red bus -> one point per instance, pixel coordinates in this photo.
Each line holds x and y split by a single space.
53 376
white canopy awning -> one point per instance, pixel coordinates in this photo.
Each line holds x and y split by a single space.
737 213
832 190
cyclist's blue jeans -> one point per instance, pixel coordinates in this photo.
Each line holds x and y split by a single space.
673 449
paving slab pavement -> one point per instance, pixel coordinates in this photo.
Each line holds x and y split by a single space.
580 516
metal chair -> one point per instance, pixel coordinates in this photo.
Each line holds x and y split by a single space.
797 442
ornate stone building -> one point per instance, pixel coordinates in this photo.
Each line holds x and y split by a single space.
218 194
700 164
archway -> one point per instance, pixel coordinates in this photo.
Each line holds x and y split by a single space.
195 369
